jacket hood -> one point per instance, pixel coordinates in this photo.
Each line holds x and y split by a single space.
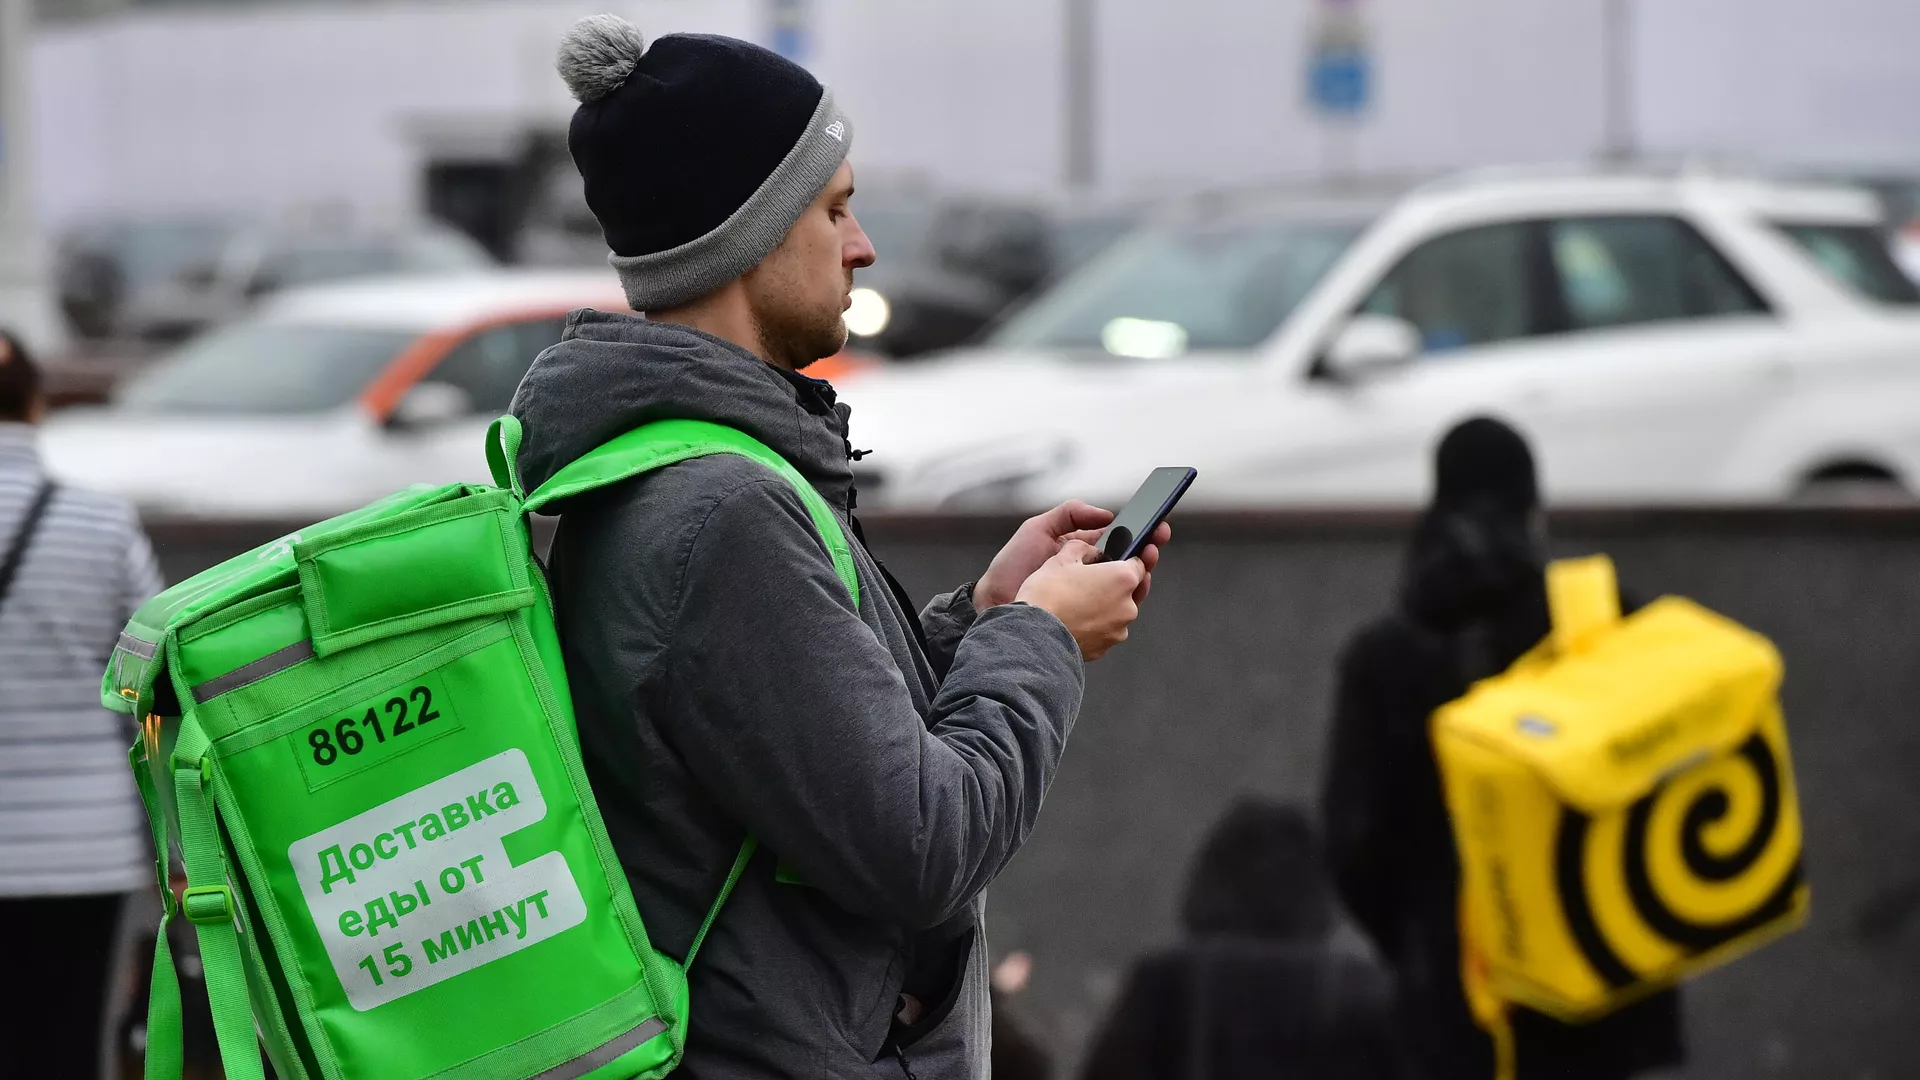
1478 576
613 372
1468 563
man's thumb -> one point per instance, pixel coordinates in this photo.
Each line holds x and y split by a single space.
1078 551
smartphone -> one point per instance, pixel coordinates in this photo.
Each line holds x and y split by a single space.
1150 505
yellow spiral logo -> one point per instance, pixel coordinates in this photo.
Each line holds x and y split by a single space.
1708 857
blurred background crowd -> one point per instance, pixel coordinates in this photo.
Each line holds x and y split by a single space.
280 258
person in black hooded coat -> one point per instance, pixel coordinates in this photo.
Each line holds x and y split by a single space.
1257 988
1472 602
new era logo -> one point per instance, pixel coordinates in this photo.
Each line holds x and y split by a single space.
838 129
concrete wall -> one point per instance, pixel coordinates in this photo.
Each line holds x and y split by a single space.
1226 684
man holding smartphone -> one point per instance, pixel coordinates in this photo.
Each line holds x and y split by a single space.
726 684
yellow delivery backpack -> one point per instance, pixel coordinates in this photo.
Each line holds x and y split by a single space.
1623 804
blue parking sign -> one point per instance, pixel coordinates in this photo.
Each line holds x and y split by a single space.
791 25
1339 80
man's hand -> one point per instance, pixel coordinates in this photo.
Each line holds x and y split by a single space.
1040 538
1094 599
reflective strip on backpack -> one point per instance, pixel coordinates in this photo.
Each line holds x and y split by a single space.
271 664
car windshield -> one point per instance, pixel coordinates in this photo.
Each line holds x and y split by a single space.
1077 240
311 262
313 265
265 366
1167 291
153 250
1857 256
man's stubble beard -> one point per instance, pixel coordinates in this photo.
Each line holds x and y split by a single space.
800 342
804 338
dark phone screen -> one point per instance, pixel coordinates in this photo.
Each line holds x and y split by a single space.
1143 513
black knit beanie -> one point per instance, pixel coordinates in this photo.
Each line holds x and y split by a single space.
698 153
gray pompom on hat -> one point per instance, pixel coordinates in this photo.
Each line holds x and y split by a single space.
597 55
699 152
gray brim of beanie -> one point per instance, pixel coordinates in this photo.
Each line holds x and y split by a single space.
666 279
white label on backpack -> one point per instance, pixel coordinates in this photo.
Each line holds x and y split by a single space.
419 889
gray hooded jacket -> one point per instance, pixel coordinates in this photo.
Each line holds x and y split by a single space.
725 684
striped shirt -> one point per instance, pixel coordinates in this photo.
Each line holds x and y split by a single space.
70 818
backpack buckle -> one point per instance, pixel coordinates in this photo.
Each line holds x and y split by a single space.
205 905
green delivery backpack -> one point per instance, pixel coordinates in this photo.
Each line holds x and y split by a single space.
360 736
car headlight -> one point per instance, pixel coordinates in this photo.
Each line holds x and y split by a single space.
867 313
1146 339
994 477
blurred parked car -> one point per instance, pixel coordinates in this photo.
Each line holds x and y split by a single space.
99 264
329 397
326 398
949 266
1661 337
254 263
1899 195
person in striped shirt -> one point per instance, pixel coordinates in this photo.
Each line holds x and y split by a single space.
73 840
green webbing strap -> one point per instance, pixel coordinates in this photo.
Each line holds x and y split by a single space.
503 452
164 1049
653 446
740 861
662 443
165 1052
209 904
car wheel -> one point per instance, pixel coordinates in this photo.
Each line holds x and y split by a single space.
1853 487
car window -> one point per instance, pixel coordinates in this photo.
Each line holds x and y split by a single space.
1621 271
265 366
489 365
1006 245
1462 289
1167 291
1857 257
312 265
155 250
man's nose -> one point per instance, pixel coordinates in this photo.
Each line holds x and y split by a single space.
859 250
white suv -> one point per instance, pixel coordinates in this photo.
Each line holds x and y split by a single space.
1660 337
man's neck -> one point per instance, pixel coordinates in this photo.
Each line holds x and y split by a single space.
725 316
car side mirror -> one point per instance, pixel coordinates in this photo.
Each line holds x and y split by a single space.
429 404
1371 343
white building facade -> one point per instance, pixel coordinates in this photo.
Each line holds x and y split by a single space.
269 106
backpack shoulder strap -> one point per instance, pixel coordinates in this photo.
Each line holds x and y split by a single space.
209 904
23 536
653 446
1583 597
